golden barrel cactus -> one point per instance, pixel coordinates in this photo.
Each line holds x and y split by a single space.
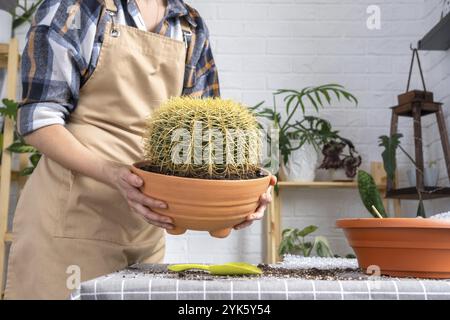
203 138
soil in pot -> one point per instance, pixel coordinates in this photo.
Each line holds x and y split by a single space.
253 175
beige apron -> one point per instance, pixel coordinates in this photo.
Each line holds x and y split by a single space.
64 220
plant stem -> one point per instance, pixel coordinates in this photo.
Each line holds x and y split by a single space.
377 212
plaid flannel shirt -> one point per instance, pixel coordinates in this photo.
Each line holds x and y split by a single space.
63 46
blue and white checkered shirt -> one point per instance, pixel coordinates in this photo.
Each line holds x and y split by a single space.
63 45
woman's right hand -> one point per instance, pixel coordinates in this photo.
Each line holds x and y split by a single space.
128 184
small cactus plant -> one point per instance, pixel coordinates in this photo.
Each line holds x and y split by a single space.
203 138
370 195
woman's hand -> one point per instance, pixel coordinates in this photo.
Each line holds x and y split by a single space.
264 200
128 184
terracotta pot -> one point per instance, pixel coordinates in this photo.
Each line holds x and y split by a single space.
401 247
200 204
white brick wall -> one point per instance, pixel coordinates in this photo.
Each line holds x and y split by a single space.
263 45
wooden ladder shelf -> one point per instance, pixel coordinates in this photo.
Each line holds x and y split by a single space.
9 59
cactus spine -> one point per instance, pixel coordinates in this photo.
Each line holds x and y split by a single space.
203 138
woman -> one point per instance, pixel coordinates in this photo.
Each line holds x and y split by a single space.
92 72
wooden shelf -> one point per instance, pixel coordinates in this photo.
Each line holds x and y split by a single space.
411 193
4 51
426 108
3 55
437 38
321 185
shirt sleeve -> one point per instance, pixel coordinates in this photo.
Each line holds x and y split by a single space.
55 58
207 76
201 75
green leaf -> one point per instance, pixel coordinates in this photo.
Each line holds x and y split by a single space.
319 100
326 95
314 103
322 247
256 107
307 230
390 145
287 232
10 109
19 147
27 171
370 195
26 15
34 159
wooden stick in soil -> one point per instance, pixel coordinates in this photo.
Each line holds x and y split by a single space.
377 212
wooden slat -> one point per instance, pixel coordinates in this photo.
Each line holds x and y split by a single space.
8 136
444 138
272 218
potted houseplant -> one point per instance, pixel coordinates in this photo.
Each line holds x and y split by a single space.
301 137
341 158
202 159
293 242
400 247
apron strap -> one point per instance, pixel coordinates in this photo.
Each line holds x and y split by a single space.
187 32
110 5
188 37
111 9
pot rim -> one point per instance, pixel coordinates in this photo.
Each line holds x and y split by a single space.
414 223
137 165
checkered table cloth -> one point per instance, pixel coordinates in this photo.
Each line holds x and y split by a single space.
126 285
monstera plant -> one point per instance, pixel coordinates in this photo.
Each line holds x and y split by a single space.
201 156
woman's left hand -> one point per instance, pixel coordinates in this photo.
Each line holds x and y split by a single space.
264 200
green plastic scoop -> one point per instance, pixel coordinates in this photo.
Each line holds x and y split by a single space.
226 269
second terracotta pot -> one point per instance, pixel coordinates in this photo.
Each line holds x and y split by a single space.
215 206
401 247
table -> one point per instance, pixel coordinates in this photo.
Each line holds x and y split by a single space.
146 282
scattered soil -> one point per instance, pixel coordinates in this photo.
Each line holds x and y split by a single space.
252 175
268 272
312 274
